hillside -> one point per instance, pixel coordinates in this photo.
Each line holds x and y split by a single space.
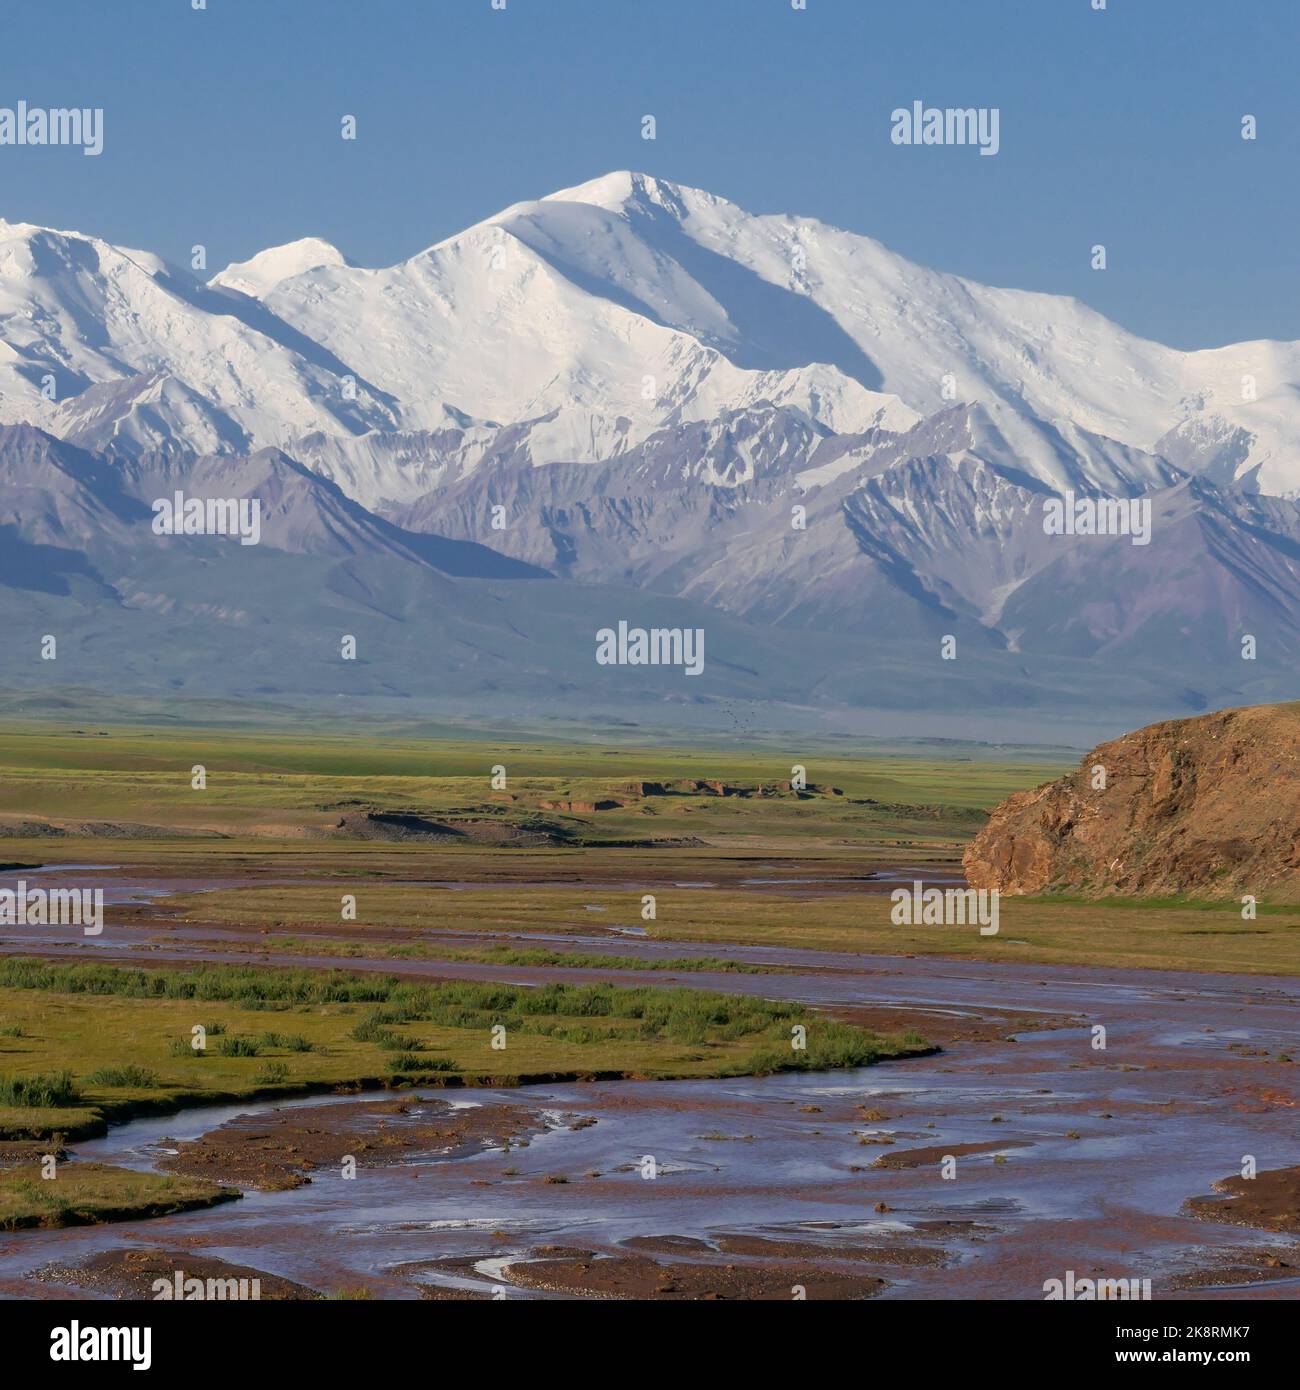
1207 806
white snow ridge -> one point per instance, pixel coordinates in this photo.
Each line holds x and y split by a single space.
598 315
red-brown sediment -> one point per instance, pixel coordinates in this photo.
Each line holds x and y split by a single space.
134 1273
1269 1201
279 1149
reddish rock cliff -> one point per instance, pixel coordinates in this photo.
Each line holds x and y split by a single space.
1207 806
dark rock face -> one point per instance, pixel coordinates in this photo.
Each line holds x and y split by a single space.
1208 806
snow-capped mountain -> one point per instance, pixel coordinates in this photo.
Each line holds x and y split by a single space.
635 393
108 341
580 298
260 274
928 531
586 321
760 287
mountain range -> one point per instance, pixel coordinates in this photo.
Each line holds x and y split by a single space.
633 399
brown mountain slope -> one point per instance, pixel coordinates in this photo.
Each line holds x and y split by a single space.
1208 806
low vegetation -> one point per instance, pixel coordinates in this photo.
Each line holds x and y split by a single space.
38 1092
1156 934
513 955
119 1038
81 1194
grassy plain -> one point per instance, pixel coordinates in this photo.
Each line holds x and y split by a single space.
1154 935
282 787
111 1042
287 824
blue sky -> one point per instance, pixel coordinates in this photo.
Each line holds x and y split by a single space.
1120 127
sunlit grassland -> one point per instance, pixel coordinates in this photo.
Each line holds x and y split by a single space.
1158 934
539 958
957 781
277 1031
272 784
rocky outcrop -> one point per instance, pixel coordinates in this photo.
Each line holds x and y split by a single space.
1208 806
580 807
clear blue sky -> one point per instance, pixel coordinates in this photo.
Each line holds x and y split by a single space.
1120 127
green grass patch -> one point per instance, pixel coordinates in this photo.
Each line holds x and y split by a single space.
83 1194
102 1026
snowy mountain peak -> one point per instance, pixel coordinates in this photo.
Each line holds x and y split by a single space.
26 248
260 274
590 319
621 187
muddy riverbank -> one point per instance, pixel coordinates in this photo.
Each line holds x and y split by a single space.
1072 1118
1064 1157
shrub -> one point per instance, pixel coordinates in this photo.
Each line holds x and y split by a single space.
287 1042
370 1029
123 1076
406 1062
41 1092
